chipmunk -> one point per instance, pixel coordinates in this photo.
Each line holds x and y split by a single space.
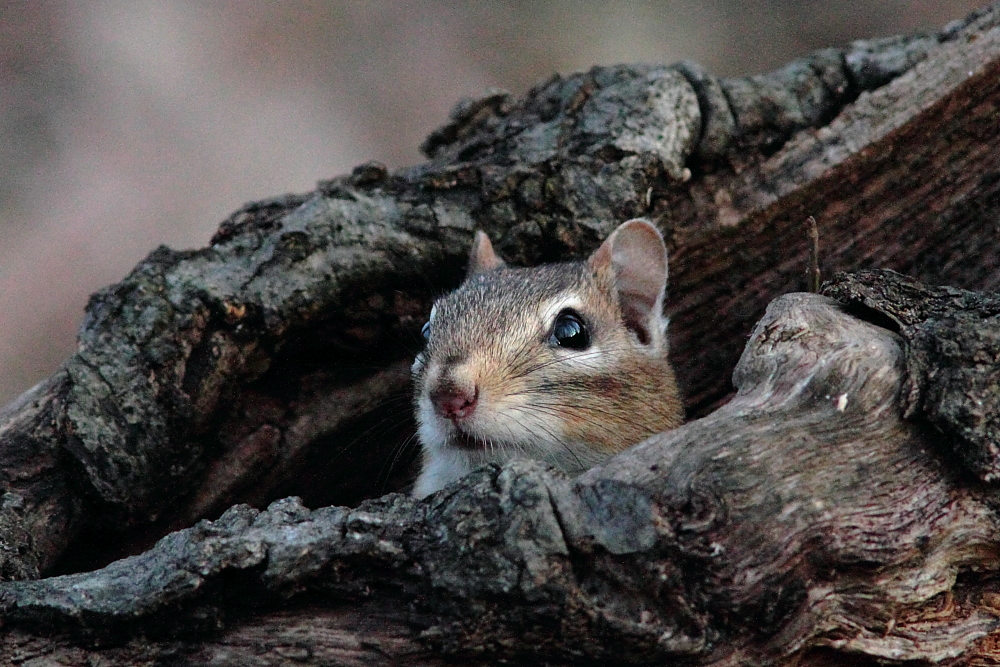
566 363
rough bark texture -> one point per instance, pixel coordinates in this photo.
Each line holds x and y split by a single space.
820 513
952 361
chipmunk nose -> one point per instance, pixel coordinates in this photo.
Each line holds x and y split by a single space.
453 402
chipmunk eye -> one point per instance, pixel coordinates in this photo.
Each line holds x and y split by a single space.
570 332
425 330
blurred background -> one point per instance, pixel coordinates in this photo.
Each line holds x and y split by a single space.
125 125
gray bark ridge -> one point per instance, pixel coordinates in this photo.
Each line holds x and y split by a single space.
952 361
805 514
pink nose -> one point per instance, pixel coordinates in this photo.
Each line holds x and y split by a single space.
455 403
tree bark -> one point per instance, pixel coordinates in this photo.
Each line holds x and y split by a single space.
840 503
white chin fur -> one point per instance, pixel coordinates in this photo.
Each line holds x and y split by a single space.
441 468
511 434
442 464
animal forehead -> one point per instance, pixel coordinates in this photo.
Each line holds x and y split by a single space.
505 294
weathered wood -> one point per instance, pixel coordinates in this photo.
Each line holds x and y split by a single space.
952 361
903 178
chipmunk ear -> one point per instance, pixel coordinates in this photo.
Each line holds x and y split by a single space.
637 257
481 257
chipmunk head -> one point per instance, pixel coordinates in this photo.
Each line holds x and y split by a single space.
566 363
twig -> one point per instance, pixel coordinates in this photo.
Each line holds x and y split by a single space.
812 271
